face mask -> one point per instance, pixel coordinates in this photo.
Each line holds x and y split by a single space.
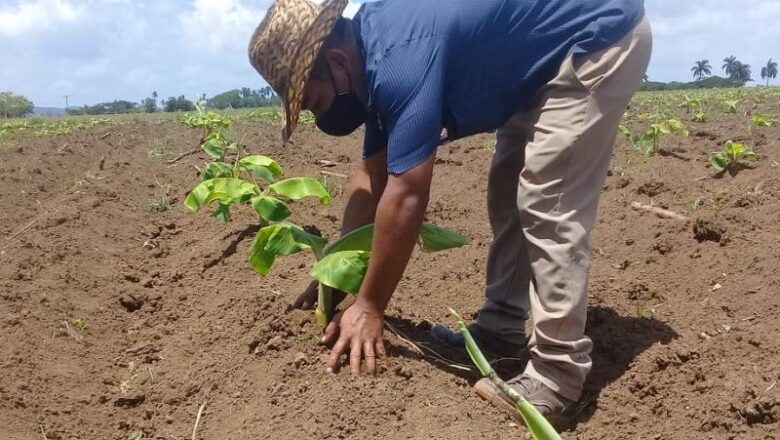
345 114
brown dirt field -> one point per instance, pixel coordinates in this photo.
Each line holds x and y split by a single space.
684 316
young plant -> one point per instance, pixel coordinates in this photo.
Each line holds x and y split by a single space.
699 116
648 143
159 205
215 126
340 265
690 104
732 155
732 105
537 425
79 324
760 120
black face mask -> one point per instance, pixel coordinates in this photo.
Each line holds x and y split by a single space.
345 114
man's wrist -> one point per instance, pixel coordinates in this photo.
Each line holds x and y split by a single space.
372 305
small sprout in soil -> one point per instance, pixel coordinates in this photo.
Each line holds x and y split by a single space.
159 205
690 104
326 183
157 154
136 436
73 331
733 155
79 324
537 425
759 120
699 116
732 105
715 203
649 142
693 205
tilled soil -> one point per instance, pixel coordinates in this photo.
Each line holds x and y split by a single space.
684 314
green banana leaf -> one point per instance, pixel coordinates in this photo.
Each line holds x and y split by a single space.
270 208
342 270
359 239
225 189
214 146
432 238
297 188
435 238
280 239
217 169
262 166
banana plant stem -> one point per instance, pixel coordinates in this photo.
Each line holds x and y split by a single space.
324 305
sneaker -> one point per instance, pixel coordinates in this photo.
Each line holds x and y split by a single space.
559 411
489 342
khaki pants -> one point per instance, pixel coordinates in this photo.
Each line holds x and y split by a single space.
543 190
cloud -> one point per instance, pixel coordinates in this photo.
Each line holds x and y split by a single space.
217 25
684 32
36 16
100 50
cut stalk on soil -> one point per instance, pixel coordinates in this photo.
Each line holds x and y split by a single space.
537 425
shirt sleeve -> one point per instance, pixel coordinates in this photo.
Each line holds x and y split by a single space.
375 139
409 93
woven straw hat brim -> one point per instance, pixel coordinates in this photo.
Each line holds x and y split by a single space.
303 61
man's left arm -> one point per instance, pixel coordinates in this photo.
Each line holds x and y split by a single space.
400 212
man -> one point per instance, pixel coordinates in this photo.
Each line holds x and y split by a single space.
552 76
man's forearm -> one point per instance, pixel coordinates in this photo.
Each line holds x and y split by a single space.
365 188
399 215
397 226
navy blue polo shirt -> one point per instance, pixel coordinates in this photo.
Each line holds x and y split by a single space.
469 65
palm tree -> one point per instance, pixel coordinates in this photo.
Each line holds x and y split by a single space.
701 68
729 64
769 71
741 73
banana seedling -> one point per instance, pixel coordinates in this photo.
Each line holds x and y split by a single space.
690 104
254 180
648 142
759 120
699 116
732 105
340 265
731 156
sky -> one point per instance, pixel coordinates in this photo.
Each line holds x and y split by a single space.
101 50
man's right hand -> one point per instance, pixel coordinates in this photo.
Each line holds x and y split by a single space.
308 299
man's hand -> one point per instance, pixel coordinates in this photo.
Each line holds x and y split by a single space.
399 216
358 332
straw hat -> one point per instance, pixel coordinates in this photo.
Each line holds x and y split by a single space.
285 45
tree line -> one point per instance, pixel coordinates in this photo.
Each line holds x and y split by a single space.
735 70
737 74
235 98
18 106
14 106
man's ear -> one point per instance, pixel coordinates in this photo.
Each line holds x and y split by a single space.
339 62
